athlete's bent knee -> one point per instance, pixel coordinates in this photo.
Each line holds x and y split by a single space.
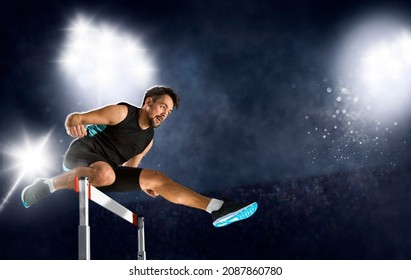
102 175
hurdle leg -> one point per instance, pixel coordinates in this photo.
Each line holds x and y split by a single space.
141 254
88 192
84 227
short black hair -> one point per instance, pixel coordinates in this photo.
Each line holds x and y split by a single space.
156 92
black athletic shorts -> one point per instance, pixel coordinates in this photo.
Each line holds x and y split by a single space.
80 155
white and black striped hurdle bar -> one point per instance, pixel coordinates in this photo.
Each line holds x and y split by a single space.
88 192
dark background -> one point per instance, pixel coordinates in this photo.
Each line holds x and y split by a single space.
253 78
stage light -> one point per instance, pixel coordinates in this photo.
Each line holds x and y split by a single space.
386 67
32 158
374 63
29 159
106 63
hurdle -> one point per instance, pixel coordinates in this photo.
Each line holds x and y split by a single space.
88 192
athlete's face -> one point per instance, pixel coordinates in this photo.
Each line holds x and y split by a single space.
158 111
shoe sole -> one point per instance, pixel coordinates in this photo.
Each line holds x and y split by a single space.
23 192
243 213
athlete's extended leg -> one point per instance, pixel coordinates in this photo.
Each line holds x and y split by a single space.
156 183
99 174
223 213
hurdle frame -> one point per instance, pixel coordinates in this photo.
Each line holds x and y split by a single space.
88 192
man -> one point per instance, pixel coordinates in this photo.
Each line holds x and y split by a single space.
111 141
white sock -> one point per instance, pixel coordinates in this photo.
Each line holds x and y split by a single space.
214 205
50 183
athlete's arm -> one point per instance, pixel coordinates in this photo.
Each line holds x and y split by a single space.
135 161
108 115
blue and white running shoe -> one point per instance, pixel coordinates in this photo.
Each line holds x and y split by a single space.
232 212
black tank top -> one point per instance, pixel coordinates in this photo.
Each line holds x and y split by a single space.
118 143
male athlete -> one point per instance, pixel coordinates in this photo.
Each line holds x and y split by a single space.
111 141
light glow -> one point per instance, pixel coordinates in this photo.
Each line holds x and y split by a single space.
30 159
104 62
374 63
387 62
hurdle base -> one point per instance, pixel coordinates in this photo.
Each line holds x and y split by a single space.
84 242
141 253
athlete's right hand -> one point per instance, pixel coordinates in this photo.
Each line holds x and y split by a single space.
77 131
74 127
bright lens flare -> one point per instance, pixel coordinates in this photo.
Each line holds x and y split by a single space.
388 62
374 63
32 157
29 159
101 58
